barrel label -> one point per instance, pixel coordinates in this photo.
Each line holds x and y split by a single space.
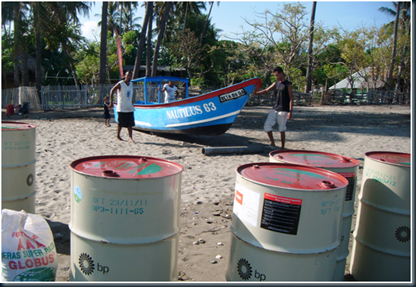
77 194
17 145
350 176
281 214
246 204
119 206
386 179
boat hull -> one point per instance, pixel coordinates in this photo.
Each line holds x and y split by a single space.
210 114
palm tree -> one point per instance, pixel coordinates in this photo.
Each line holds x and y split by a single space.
404 13
65 28
21 24
309 70
137 63
127 9
183 8
160 37
113 17
128 22
103 45
394 46
7 16
402 62
39 13
149 44
206 21
402 19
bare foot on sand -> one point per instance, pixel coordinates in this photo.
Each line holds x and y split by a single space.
120 139
131 140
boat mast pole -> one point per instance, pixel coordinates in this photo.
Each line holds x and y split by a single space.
159 93
145 91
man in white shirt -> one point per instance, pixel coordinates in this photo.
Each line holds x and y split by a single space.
125 108
170 92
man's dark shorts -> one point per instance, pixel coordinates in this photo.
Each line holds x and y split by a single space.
125 120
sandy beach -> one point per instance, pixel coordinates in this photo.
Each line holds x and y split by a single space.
208 181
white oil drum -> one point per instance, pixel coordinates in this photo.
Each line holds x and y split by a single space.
345 166
124 218
381 246
18 166
293 214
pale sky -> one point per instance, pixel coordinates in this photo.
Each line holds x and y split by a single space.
229 15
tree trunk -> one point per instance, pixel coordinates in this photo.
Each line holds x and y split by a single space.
4 76
103 47
16 12
206 23
309 71
38 69
149 46
103 50
396 22
402 65
186 15
137 63
25 72
71 66
162 27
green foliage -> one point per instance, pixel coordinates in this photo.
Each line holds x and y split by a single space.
196 82
276 39
7 53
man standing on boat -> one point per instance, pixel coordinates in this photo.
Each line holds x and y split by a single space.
125 108
171 91
282 109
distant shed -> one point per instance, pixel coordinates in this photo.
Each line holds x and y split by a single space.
359 82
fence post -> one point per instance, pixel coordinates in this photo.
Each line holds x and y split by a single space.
20 96
86 94
49 97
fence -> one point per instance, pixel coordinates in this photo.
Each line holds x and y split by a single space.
56 97
68 97
372 97
19 96
299 99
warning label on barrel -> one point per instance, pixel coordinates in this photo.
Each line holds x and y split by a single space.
281 214
350 176
246 204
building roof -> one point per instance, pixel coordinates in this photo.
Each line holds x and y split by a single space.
359 81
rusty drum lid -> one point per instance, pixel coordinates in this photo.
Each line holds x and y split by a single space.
126 167
395 158
292 176
314 158
9 126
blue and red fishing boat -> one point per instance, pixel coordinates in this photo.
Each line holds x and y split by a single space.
210 114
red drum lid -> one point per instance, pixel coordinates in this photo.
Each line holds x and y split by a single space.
315 158
396 158
126 167
292 176
6 126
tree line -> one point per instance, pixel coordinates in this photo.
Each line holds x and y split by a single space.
181 35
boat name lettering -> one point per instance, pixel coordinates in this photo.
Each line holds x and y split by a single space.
233 95
184 112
